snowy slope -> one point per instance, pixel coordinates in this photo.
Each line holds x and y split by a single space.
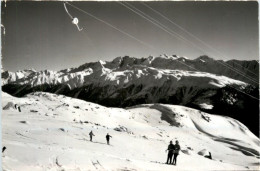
169 79
51 133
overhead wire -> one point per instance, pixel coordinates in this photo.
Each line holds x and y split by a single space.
177 35
244 68
225 84
185 39
158 24
201 41
163 27
240 73
64 3
110 25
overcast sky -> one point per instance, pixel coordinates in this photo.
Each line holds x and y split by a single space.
40 35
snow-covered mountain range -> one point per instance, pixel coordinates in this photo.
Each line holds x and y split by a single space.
246 71
203 83
51 133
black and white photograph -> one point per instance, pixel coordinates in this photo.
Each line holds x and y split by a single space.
129 85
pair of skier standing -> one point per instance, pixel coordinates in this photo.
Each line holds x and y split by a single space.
173 151
91 134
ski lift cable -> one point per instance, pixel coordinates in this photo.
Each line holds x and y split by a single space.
226 65
112 26
163 27
67 10
74 19
143 42
201 71
232 68
244 68
152 20
158 24
226 84
204 43
181 37
189 33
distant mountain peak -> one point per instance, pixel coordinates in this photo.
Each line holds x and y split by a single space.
205 58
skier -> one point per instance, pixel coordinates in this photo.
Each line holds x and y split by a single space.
19 108
209 156
90 135
176 152
3 149
170 152
108 137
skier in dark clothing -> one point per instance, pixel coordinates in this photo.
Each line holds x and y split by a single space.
90 135
176 152
170 153
108 137
3 149
209 156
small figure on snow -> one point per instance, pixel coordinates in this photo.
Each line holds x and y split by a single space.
209 156
3 149
170 153
19 108
91 135
108 137
176 152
